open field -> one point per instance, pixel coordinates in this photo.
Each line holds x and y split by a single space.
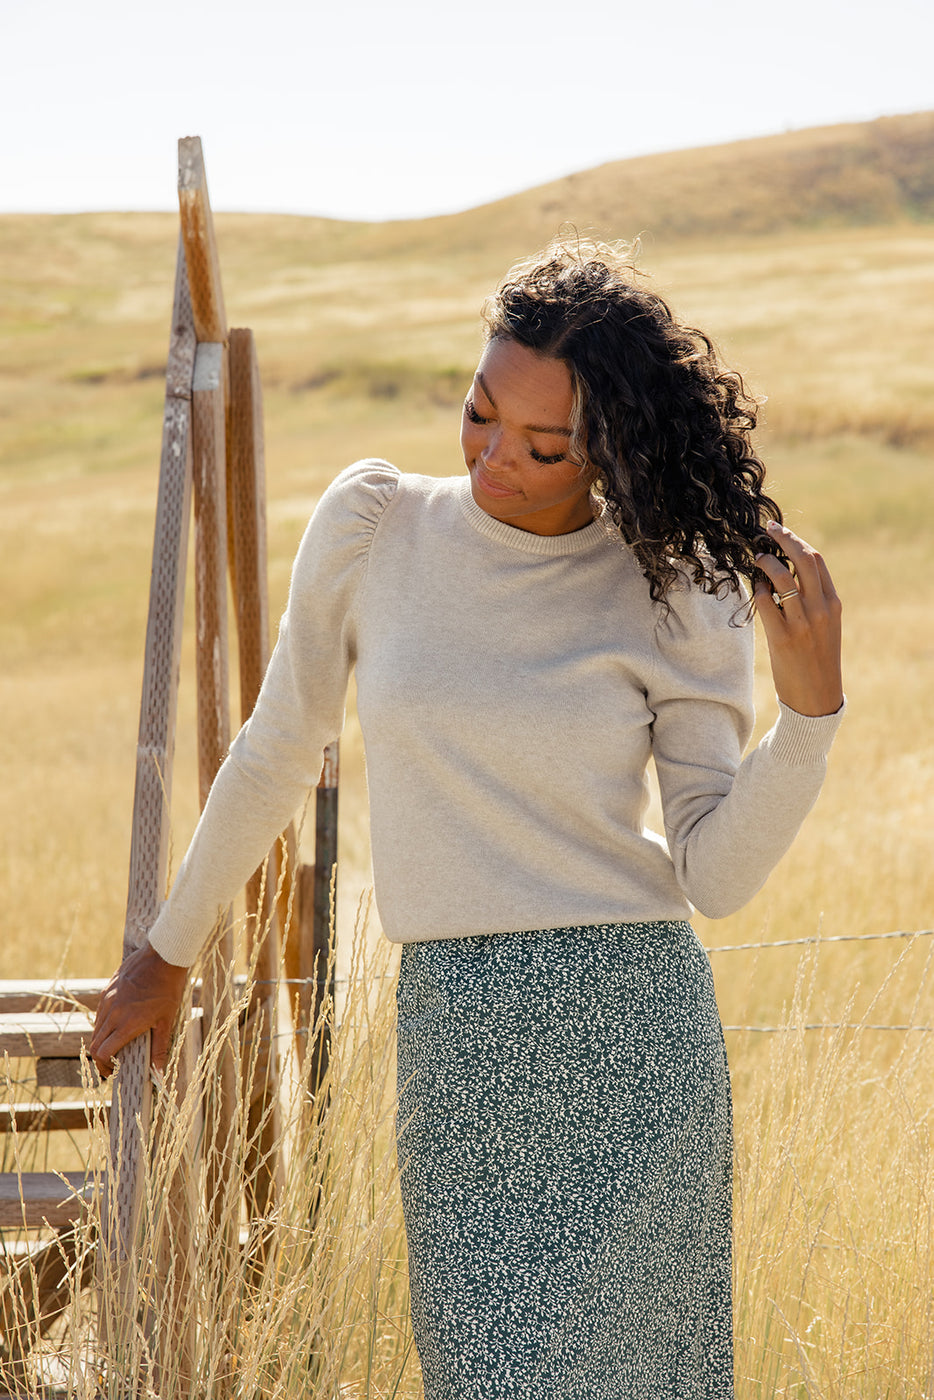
832 325
367 337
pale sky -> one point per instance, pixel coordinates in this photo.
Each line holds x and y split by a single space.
387 110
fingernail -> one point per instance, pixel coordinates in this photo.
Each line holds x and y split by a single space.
773 525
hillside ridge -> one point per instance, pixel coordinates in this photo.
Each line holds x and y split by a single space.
855 174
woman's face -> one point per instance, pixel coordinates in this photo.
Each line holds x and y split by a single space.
515 434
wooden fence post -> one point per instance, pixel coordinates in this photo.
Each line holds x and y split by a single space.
131 1110
204 269
212 434
209 457
246 501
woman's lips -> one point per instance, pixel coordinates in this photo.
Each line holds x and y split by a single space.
489 487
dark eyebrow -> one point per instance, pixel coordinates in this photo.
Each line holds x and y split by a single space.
529 427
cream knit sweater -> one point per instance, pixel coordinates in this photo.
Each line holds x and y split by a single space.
512 688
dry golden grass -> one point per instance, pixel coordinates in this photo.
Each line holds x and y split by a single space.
366 337
834 1247
314 1300
834 1264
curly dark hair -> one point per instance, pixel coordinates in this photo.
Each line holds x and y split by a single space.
658 418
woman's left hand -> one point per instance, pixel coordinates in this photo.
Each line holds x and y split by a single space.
803 628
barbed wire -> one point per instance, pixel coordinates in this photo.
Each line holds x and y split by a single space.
818 938
323 982
827 1026
809 941
301 1031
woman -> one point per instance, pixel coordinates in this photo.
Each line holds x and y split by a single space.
525 640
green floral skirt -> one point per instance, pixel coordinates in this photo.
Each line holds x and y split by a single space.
565 1154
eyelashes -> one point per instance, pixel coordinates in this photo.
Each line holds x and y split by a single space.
471 413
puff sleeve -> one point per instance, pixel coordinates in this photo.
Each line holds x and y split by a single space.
276 758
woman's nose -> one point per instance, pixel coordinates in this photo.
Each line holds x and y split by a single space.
496 450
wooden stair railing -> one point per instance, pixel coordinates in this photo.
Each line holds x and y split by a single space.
212 451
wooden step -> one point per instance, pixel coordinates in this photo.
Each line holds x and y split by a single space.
34 1199
68 1116
24 995
41 1277
34 994
50 1034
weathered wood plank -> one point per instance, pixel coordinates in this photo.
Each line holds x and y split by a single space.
65 1116
210 494
43 1198
37 994
180 366
45 1277
156 742
204 273
209 405
53 1033
173 1321
246 482
132 1101
25 995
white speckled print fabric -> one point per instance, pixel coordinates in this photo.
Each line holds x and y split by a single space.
565 1155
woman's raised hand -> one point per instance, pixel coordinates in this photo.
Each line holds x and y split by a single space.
144 994
800 612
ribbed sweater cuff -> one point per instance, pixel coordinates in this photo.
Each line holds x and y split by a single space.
178 943
802 740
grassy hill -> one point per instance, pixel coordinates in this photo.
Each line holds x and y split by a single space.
852 175
807 254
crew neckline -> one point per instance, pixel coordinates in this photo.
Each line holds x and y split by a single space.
575 542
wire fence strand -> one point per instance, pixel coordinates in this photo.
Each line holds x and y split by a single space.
826 1026
813 940
341 983
817 938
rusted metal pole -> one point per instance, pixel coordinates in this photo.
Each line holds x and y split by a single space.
326 797
324 910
